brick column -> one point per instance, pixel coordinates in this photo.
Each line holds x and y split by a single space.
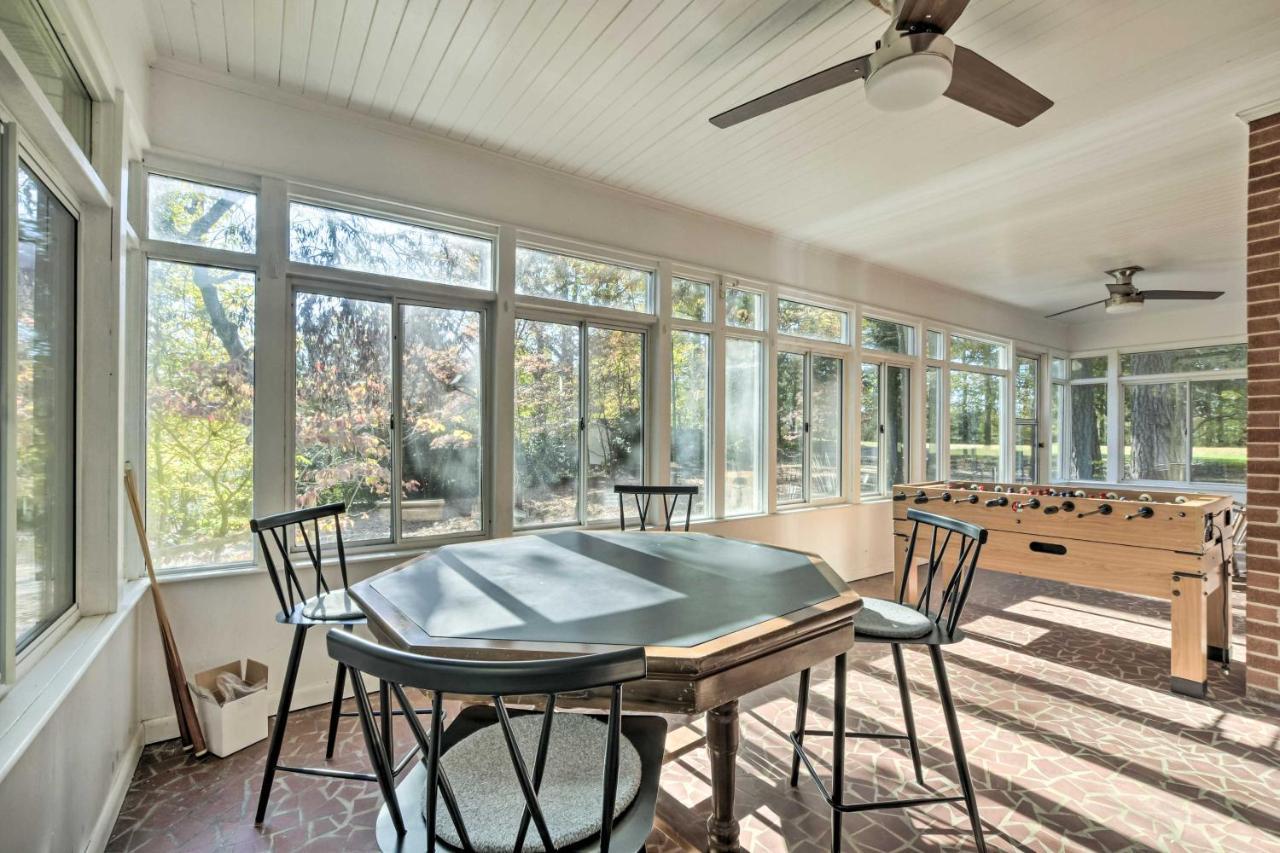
1263 274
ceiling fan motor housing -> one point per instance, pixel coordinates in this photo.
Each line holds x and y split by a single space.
909 70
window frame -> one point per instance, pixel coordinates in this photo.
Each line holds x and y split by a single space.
571 248
1005 373
1037 409
808 355
714 329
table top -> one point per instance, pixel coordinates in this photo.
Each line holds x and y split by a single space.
700 604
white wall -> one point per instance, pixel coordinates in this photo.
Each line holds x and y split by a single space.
214 119
1160 326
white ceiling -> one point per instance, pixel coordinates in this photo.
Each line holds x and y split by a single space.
1141 160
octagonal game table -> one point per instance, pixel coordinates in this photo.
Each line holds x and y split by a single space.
718 618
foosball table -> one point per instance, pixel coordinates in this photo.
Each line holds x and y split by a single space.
1173 545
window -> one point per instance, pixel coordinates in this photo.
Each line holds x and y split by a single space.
1155 431
36 42
976 406
44 408
579 411
743 309
201 215
887 336
200 394
1093 367
589 282
1026 408
932 423
977 353
743 426
1057 428
690 300
809 426
326 237
936 349
1189 360
1185 431
691 413
886 419
342 410
1088 421
811 321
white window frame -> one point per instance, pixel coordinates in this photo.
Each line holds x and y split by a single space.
916 438
714 329
1006 375
724 332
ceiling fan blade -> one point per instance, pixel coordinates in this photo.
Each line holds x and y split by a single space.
983 85
931 15
1077 308
814 84
1181 294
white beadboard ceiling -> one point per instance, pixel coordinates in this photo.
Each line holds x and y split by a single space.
1142 159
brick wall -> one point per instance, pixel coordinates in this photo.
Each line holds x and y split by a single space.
1263 273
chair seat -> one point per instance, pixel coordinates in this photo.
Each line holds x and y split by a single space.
890 620
479 769
333 606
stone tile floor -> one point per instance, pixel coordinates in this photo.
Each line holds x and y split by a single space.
1074 742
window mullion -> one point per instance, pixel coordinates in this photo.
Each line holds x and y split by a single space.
8 400
397 418
584 412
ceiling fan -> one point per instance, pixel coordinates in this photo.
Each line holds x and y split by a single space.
914 62
1125 298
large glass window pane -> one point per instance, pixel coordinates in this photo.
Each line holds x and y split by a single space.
555 276
547 394
442 419
36 42
937 350
200 341
44 408
965 350
743 309
1155 431
1191 359
691 413
355 241
811 321
691 300
1059 368
1024 452
1088 433
615 416
342 410
1026 388
743 426
1218 423
897 424
869 443
1092 367
201 215
975 426
1057 427
790 475
932 421
825 409
887 336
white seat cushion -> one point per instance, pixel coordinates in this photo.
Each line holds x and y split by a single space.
334 605
890 620
484 781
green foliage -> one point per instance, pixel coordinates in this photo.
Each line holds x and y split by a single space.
555 276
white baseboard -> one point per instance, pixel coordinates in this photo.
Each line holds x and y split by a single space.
101 834
166 728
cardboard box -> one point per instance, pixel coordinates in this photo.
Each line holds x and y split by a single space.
239 723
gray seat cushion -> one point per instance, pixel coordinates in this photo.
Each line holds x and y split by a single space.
890 620
334 605
484 781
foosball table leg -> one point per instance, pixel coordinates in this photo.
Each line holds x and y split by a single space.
1189 614
1218 616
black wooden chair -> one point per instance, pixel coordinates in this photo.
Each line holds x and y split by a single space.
328 607
932 620
493 767
644 494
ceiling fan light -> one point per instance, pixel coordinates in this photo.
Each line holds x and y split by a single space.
909 82
1123 306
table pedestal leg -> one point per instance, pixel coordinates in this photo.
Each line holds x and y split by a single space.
722 747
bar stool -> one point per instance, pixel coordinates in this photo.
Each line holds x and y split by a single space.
506 775
674 493
931 621
327 607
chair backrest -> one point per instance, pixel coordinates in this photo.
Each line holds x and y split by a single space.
275 536
953 557
496 679
644 494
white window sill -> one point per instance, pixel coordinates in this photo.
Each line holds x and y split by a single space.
32 701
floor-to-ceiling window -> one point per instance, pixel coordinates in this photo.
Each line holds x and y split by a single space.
888 351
